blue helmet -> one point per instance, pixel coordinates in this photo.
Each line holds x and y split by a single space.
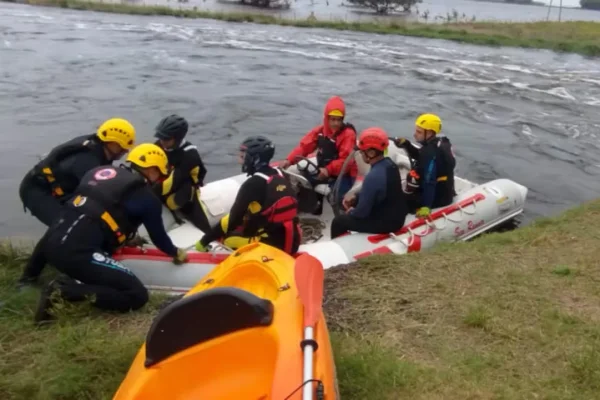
258 153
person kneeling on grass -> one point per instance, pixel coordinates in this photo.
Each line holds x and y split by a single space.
381 206
108 207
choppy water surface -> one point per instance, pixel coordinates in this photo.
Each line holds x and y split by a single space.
531 116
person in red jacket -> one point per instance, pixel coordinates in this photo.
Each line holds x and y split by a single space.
334 141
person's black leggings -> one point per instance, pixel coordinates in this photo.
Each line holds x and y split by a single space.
186 200
73 247
195 213
113 285
286 237
343 223
40 203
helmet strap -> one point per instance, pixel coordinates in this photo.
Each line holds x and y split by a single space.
429 138
369 158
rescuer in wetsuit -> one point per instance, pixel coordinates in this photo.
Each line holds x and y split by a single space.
181 190
108 206
334 141
430 184
381 206
47 186
265 208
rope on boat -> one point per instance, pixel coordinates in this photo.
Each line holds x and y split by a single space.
312 229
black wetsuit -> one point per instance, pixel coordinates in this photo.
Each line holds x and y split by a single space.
381 206
259 193
107 209
180 190
65 165
434 173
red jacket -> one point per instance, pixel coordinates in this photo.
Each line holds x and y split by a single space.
344 141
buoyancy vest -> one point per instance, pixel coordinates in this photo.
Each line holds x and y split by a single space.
444 163
47 168
281 204
101 195
327 150
177 157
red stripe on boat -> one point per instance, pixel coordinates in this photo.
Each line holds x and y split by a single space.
378 250
128 253
415 246
422 221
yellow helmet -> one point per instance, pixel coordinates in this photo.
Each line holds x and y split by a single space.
148 155
429 122
119 131
335 113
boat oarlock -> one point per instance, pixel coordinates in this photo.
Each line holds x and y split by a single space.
477 208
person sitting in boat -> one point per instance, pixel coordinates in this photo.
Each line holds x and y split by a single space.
265 208
47 186
334 141
107 208
381 206
430 184
181 190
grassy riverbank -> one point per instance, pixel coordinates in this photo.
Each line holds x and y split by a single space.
575 37
508 316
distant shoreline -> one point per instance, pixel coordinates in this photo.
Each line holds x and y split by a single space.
534 3
570 36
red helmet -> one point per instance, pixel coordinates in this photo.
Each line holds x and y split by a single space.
373 138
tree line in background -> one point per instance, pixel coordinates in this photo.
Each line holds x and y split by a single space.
387 6
590 4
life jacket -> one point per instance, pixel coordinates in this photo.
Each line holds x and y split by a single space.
177 158
327 150
47 168
280 208
101 195
445 164
280 203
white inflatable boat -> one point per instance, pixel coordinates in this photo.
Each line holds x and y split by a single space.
477 208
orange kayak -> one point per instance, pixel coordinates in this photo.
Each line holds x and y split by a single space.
240 334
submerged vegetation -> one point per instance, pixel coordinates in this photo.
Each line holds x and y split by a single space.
572 36
508 316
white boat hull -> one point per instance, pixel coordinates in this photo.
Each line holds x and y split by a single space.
476 209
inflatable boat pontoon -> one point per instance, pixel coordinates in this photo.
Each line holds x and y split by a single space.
477 208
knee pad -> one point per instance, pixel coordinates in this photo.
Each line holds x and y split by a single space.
171 203
225 223
235 242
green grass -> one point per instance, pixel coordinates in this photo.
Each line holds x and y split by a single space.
572 36
507 316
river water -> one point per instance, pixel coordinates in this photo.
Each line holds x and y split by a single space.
531 116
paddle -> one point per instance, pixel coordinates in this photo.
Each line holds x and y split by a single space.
309 280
